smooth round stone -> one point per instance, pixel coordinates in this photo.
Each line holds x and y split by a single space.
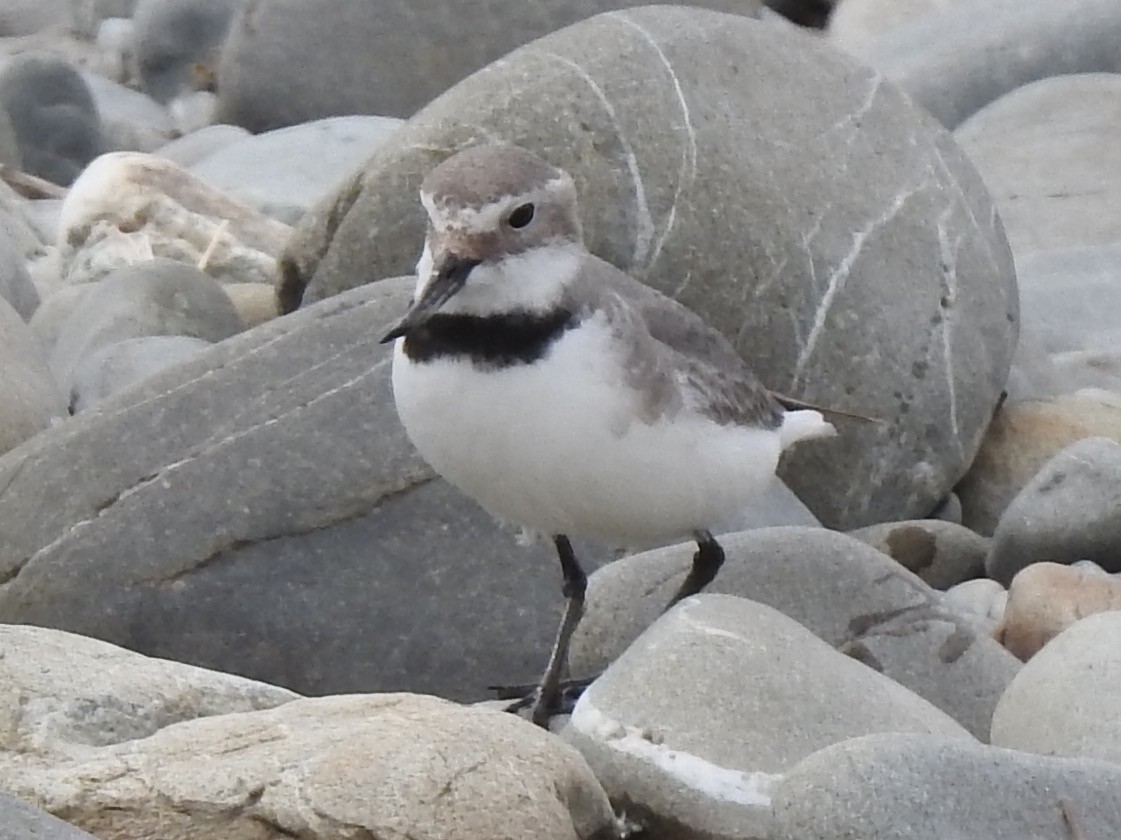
1022 438
955 61
53 312
115 40
86 15
255 303
15 283
114 367
1049 154
10 154
291 61
772 693
20 821
886 787
284 173
158 297
31 398
1070 510
131 121
1065 700
942 554
198 145
176 40
53 114
856 26
788 238
26 17
982 600
1044 599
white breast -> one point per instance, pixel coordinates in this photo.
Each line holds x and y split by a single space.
557 445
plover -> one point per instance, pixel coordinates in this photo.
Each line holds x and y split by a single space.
565 396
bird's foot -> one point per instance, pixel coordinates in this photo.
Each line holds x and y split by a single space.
542 703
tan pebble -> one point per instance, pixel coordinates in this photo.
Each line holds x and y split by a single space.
255 302
1046 598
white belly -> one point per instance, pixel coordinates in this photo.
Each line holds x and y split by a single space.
557 446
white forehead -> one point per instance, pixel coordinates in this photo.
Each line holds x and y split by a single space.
446 213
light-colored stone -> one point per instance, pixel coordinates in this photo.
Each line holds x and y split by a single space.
131 121
940 553
329 768
856 26
886 787
62 695
1070 510
31 398
955 61
53 312
982 600
196 146
1046 598
695 723
786 233
286 172
850 595
1067 699
1059 184
255 303
1022 438
127 207
152 298
15 283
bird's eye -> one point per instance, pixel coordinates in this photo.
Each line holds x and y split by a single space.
520 216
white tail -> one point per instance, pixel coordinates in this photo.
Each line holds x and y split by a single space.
804 425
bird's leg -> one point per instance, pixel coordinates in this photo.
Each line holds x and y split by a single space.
546 698
706 563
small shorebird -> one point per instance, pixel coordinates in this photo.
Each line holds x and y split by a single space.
565 396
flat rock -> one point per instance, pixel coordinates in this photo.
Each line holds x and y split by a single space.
32 399
1023 436
53 114
955 61
1045 599
272 470
286 172
130 206
291 61
66 695
1067 512
764 233
853 597
114 367
883 787
1057 185
321 769
1065 701
178 43
19 821
782 691
153 298
941 553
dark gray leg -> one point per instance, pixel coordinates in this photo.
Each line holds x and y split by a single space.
575 582
706 563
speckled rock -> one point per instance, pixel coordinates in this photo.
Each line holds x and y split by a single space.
1059 184
290 61
327 768
1022 438
271 469
884 787
763 234
1067 512
858 600
127 207
957 60
1046 598
771 692
32 399
940 553
1065 700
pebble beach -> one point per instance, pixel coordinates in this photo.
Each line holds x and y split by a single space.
236 603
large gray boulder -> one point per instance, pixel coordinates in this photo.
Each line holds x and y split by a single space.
291 61
258 510
793 198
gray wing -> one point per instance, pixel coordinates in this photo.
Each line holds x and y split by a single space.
687 356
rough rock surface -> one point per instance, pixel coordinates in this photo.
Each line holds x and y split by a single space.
754 223
771 692
855 598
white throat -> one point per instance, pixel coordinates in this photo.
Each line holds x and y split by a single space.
532 281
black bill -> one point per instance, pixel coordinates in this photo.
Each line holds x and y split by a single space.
450 275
